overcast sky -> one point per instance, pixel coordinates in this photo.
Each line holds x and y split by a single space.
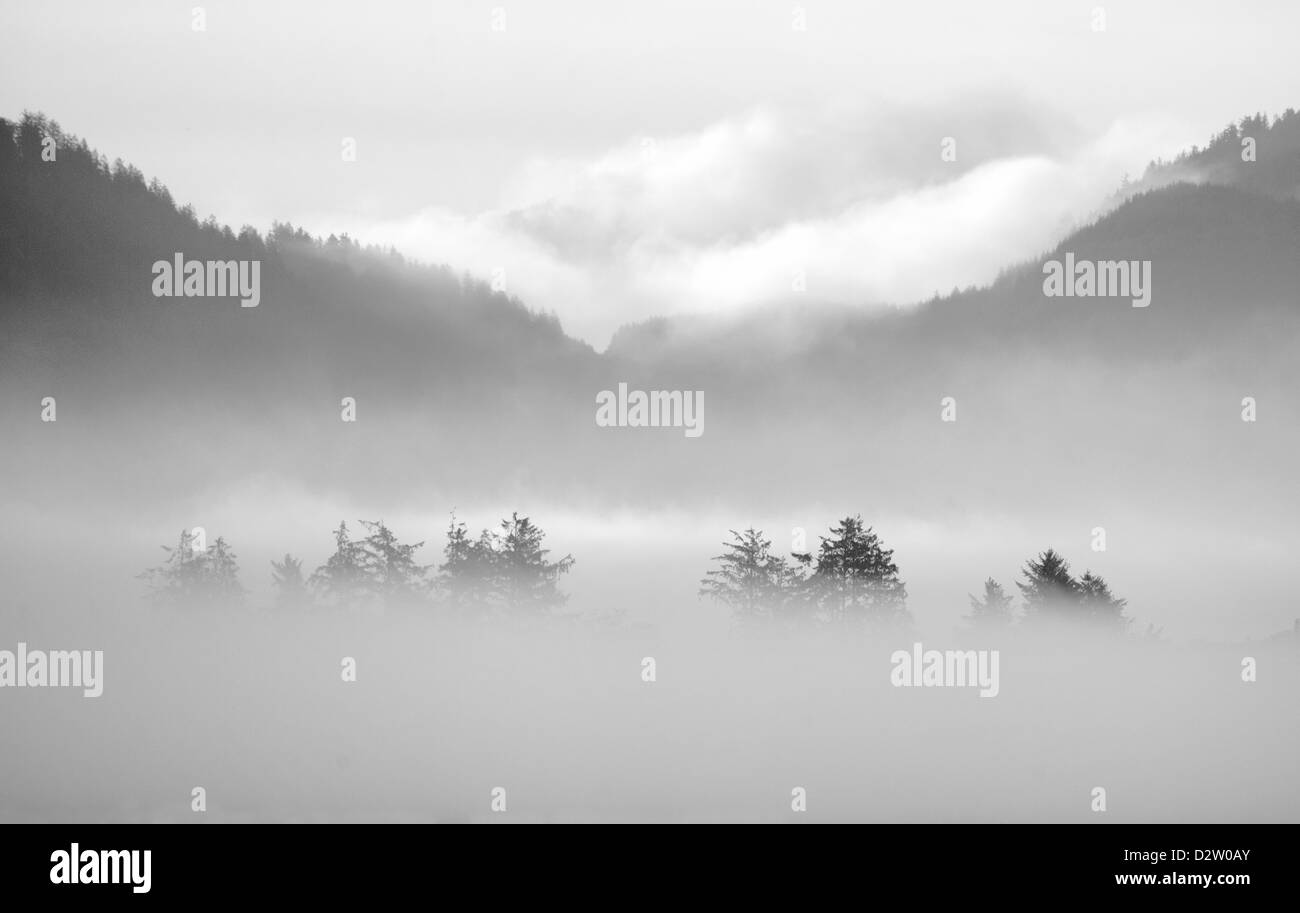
616 160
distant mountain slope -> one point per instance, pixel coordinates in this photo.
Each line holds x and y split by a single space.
1222 219
463 394
1221 258
78 238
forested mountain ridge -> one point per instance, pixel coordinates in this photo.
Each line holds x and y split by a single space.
462 392
78 237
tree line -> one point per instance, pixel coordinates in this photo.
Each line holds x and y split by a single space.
852 579
507 567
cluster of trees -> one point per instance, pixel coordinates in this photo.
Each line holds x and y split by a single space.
850 580
853 579
1226 144
1049 592
1267 170
507 567
194 574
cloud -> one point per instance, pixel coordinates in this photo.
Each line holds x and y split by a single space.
851 207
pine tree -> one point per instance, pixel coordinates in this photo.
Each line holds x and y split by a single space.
1097 603
343 579
749 578
178 578
222 573
994 611
287 580
1048 588
525 578
465 576
856 579
391 570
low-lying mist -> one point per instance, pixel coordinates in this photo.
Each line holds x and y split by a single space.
253 706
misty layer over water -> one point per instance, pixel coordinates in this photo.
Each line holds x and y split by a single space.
647 563
253 708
